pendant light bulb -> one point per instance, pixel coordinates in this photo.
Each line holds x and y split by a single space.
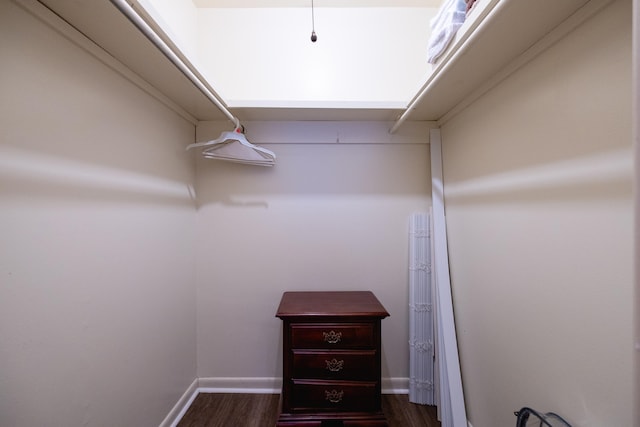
313 25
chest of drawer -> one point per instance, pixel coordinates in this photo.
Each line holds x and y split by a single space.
332 335
331 348
337 364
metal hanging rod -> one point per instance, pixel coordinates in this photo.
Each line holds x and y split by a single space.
187 69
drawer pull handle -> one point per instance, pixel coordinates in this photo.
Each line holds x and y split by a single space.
332 337
335 365
334 396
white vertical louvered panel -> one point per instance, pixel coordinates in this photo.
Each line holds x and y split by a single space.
421 315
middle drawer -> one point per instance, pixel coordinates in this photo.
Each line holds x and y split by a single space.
337 364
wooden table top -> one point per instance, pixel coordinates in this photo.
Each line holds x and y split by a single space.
334 303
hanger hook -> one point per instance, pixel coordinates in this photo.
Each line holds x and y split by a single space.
239 128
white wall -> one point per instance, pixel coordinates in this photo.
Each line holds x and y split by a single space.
97 288
256 56
179 20
538 193
327 216
367 56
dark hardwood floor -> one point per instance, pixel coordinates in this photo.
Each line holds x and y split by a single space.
400 412
261 410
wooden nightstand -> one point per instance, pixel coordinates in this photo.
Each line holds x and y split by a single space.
331 359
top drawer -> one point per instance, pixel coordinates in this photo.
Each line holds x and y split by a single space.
332 335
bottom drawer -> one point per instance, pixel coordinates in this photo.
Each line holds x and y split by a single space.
334 396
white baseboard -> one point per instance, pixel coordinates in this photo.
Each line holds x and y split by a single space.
181 406
266 385
253 385
395 385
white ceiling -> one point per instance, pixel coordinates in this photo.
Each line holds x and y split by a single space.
317 3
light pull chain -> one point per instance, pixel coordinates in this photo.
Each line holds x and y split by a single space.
313 25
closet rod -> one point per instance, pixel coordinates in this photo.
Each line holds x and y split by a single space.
188 70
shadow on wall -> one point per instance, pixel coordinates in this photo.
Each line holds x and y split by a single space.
345 170
27 174
599 176
95 135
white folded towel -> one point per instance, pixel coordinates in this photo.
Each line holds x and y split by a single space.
444 25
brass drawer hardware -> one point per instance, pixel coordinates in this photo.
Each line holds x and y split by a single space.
332 337
335 365
334 396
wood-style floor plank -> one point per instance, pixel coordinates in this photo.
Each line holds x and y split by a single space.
400 412
261 410
232 409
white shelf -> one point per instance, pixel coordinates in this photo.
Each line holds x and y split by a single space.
495 34
101 22
317 110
